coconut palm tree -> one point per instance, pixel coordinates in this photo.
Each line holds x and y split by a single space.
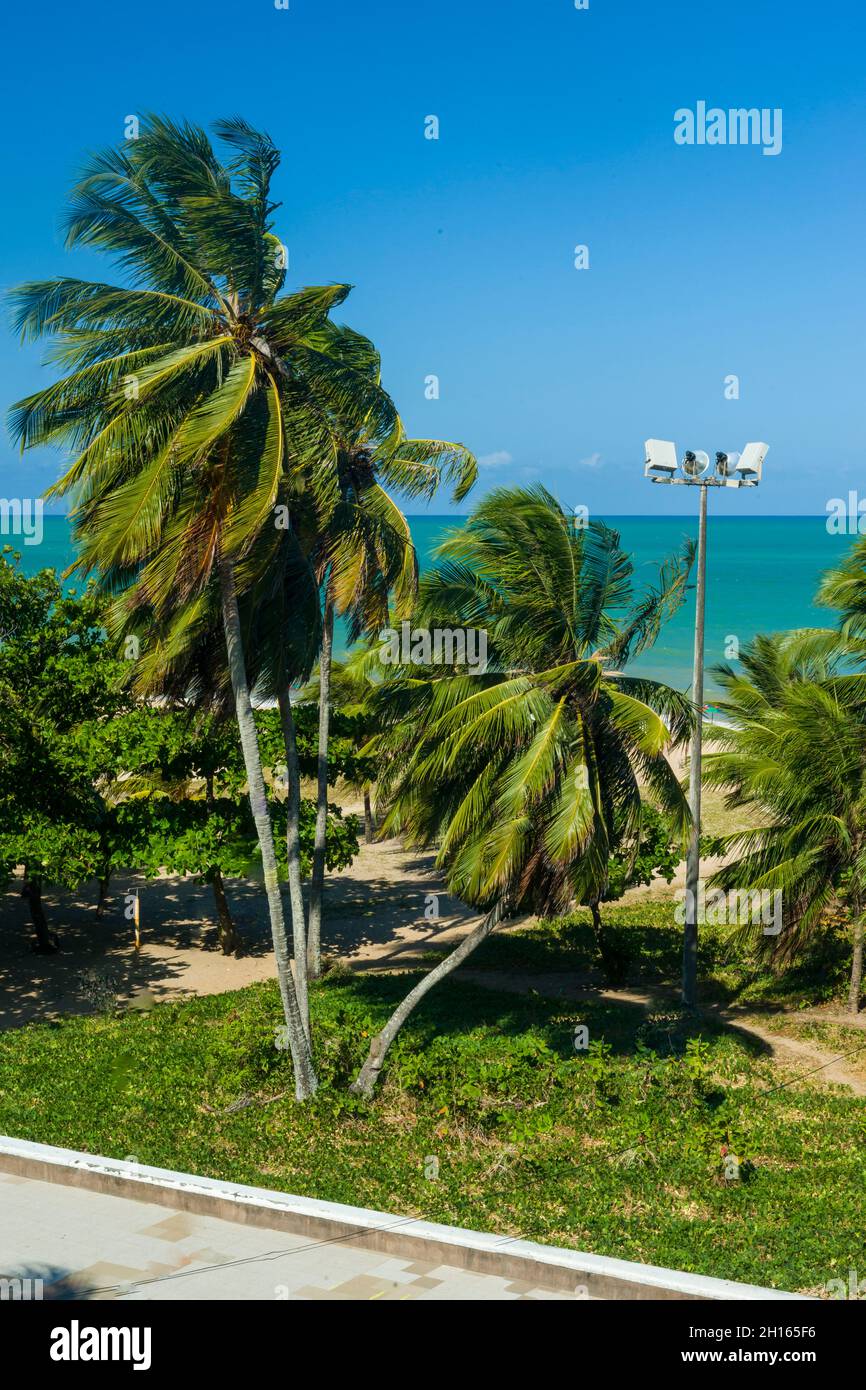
527 775
182 659
353 683
192 393
794 752
365 557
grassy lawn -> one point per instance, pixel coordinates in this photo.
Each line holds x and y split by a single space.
617 1150
649 938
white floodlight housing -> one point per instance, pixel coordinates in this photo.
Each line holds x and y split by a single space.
695 463
661 460
751 462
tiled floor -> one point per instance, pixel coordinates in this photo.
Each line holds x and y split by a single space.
88 1245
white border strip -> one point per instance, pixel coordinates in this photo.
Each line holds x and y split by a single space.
356 1222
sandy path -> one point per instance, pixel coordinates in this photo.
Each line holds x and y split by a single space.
817 1064
374 913
389 907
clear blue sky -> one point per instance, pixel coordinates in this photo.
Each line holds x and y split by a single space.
556 128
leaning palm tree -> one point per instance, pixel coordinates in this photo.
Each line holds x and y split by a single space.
793 751
527 775
191 394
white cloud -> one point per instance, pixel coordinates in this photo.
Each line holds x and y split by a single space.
495 460
591 461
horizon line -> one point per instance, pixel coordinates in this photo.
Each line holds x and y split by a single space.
637 516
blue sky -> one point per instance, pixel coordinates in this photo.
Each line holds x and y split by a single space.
556 129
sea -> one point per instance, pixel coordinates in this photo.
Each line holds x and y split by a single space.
762 575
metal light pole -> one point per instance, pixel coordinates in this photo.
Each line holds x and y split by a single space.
693 858
730 471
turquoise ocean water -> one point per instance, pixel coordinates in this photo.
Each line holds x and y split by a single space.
762 573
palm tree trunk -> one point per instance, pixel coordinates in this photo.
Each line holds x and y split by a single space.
228 937
302 1059
293 851
367 1077
317 878
610 962
598 930
856 967
103 894
369 822
31 891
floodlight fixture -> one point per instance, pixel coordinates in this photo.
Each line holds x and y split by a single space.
661 460
731 469
726 468
695 464
750 464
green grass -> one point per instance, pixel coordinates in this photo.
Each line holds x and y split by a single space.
617 1150
650 938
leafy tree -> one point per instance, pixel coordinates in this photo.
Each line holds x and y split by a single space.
182 753
655 855
348 736
94 783
178 776
214 838
56 675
